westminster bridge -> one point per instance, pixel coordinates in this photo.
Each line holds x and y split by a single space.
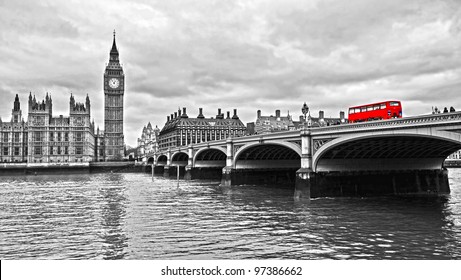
396 156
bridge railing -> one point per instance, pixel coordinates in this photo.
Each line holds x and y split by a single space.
407 121
418 120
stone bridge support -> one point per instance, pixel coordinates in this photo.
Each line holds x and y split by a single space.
190 164
166 168
305 177
228 170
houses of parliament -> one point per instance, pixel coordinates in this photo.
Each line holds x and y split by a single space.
45 138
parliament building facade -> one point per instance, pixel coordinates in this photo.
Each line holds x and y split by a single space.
45 138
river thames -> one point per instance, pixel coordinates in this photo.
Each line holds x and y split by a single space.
127 216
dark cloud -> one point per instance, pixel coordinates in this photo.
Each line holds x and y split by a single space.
247 55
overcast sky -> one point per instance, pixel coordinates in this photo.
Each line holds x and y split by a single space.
244 54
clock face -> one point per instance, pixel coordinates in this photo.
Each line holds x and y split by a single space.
114 83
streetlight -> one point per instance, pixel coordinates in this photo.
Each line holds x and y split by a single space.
305 110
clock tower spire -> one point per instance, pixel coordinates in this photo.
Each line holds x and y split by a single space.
114 51
114 90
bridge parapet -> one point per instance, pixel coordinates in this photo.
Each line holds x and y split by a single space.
425 120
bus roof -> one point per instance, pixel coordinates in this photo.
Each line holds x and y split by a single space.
371 104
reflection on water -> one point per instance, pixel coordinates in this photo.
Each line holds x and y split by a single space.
127 216
113 212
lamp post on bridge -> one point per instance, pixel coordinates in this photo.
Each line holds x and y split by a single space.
305 178
305 110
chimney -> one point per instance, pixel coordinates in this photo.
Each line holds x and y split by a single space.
175 115
171 116
321 115
179 112
228 115
341 115
219 115
184 114
235 117
301 118
167 118
277 113
200 113
258 114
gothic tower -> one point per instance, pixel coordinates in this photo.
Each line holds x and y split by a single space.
16 114
114 89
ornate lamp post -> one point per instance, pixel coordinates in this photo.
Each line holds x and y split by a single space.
305 110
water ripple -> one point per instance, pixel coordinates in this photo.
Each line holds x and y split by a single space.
127 216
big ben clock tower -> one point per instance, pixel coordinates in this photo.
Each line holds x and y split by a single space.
114 89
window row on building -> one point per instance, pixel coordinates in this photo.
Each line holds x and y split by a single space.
47 139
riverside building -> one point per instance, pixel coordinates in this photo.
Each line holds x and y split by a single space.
14 136
180 130
45 138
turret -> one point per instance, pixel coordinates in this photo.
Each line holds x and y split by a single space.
17 105
87 103
72 101
16 112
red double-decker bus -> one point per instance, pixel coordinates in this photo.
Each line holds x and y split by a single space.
376 111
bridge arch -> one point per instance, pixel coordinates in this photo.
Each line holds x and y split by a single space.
150 160
210 157
179 158
162 160
268 155
387 151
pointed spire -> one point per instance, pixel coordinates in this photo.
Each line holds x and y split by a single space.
114 50
16 104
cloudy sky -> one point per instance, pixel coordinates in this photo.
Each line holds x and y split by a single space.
247 54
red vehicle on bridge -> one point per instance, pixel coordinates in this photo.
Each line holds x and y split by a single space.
376 111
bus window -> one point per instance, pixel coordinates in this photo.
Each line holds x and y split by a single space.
376 107
357 110
382 106
351 111
363 109
394 103
370 108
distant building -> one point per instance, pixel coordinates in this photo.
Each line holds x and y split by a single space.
321 121
455 155
270 124
180 130
250 128
99 146
148 143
